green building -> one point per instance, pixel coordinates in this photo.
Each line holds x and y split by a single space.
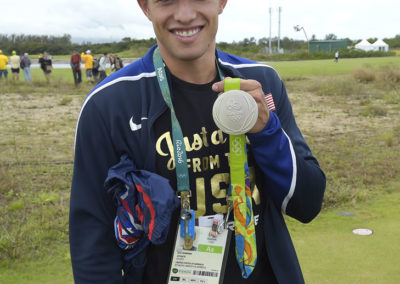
326 45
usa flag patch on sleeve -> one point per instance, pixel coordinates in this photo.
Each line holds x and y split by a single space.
270 101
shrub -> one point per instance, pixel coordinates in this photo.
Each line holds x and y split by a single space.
364 75
356 53
392 97
374 110
389 74
342 86
6 180
65 101
16 205
388 138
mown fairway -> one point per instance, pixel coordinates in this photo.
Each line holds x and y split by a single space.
349 113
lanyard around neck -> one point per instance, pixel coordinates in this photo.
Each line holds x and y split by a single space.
182 173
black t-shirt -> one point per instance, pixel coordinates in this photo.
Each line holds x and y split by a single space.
207 148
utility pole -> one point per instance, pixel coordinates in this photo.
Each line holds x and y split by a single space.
279 28
270 25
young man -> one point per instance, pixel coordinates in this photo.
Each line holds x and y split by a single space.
127 115
14 62
88 59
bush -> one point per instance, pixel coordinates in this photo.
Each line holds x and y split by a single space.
303 55
374 110
341 86
65 101
389 74
357 53
364 75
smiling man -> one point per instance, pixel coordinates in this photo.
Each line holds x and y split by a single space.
156 115
185 34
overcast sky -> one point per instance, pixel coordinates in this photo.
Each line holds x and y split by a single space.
112 20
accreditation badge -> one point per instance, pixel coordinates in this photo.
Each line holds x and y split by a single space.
205 262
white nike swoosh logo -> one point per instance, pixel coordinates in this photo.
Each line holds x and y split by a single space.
134 126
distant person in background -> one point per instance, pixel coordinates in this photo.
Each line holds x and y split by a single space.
336 56
14 61
25 65
111 58
95 70
102 66
3 66
88 59
117 63
46 65
75 63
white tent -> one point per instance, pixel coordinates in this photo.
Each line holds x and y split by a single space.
364 45
380 45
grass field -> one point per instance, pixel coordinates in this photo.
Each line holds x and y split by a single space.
349 113
329 252
289 69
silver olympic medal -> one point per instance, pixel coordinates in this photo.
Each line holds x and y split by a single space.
235 112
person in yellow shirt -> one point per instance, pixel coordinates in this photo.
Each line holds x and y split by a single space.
15 61
88 59
3 65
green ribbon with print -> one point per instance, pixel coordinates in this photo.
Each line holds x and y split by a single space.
245 237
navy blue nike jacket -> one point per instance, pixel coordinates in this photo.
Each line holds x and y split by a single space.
117 118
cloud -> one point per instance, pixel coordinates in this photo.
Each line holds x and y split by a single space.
240 19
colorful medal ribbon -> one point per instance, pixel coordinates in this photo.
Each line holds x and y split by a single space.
245 237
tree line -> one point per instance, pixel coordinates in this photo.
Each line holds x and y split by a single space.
35 44
62 45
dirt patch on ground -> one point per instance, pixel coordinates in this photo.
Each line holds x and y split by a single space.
38 125
332 116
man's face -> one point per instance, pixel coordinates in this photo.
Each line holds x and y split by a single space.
185 29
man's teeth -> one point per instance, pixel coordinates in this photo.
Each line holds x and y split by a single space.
187 33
